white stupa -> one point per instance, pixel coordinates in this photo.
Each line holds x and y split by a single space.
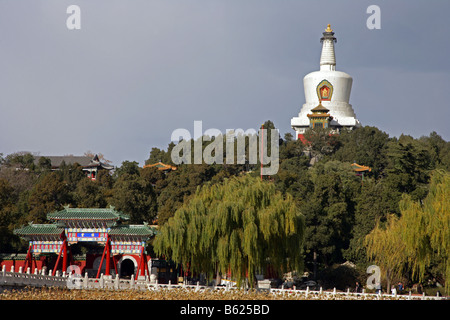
328 87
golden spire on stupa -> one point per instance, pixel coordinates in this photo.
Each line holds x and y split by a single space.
328 29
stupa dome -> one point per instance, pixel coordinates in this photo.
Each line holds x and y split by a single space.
329 87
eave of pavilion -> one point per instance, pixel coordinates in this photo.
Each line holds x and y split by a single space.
131 233
360 168
88 217
41 232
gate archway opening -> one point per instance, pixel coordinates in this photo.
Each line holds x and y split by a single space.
127 269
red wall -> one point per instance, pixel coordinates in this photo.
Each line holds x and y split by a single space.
49 262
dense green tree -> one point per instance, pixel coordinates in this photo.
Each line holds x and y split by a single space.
439 150
20 180
105 180
7 218
329 211
44 163
156 177
88 194
409 167
181 185
239 226
71 174
293 177
50 193
158 155
374 203
23 160
6 193
290 149
321 142
133 195
365 146
127 167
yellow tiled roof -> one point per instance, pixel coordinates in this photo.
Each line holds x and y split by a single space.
161 166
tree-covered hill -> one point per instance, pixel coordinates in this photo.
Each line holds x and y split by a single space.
340 208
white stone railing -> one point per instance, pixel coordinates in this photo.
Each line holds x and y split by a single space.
36 279
340 295
309 294
107 282
39 279
42 278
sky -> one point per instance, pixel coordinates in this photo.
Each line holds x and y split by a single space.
138 70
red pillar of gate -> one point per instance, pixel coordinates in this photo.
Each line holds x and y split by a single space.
101 263
65 257
142 264
108 256
57 261
28 260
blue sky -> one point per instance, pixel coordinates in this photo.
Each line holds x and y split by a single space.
138 70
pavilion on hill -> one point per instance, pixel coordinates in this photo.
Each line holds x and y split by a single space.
90 166
161 166
360 170
320 118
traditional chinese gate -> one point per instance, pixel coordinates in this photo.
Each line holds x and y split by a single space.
90 225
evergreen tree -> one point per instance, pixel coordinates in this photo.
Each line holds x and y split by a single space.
409 166
133 195
439 150
181 185
7 219
158 155
88 194
321 142
365 146
50 194
329 211
374 203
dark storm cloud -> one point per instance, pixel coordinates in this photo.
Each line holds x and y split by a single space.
137 70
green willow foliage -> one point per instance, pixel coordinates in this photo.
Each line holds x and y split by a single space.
386 248
426 230
420 237
238 226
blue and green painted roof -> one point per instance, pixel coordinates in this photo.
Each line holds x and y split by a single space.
88 214
55 229
31 231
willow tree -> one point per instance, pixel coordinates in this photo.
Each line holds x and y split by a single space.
420 237
427 229
386 248
237 226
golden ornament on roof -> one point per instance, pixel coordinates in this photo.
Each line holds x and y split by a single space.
328 29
